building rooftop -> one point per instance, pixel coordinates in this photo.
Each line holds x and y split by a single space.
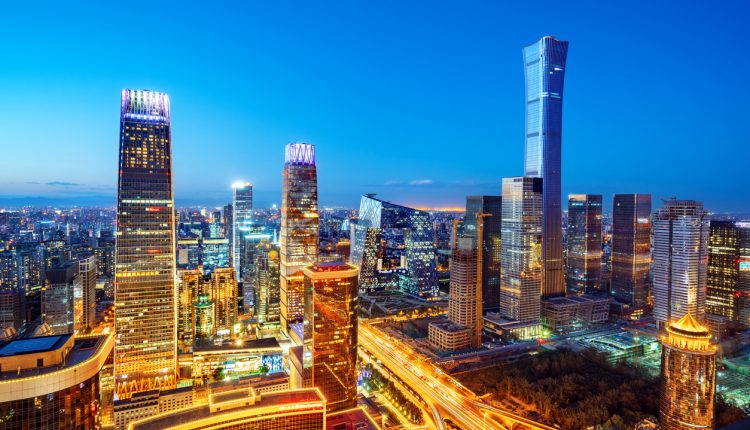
33 345
15 354
265 343
351 419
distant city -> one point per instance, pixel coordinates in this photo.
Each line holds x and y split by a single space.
524 309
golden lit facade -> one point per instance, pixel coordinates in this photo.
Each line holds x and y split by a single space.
145 308
332 310
222 291
266 288
220 288
688 376
465 301
723 269
299 229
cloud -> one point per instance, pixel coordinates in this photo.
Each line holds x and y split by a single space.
421 182
63 184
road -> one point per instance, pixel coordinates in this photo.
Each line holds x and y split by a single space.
448 395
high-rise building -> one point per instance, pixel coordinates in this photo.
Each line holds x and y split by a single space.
222 291
299 229
189 285
87 272
145 308
266 283
242 211
203 318
491 240
723 269
332 309
631 249
252 236
382 222
521 274
680 260
12 308
584 240
688 376
60 308
465 302
743 277
544 69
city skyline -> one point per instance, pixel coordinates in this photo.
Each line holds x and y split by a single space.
437 95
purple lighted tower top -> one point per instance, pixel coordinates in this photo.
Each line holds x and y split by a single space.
300 153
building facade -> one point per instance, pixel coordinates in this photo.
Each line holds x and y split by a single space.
87 271
680 264
492 207
521 274
723 269
381 223
60 307
242 219
465 301
145 328
544 70
267 283
299 229
332 310
631 249
584 244
688 376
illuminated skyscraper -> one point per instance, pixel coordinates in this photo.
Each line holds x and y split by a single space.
465 302
60 306
631 248
87 273
544 69
680 260
145 320
723 269
521 274
492 241
299 229
221 287
743 277
688 376
584 234
242 218
332 311
266 283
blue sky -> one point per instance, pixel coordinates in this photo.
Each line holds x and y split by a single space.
419 101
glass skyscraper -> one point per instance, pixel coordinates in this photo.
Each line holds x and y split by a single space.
521 275
584 240
680 261
723 269
378 218
491 244
242 211
544 69
299 229
145 324
631 248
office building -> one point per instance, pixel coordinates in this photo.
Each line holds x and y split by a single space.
584 244
521 274
688 376
332 309
218 312
492 206
572 313
631 249
680 261
299 229
743 277
203 318
60 306
266 283
53 382
410 264
87 272
303 409
145 329
723 269
222 291
544 70
242 218
147 404
12 308
252 236
189 285
214 253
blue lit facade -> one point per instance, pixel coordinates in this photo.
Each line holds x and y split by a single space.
380 220
544 69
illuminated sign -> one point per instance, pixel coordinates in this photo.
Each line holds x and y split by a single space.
745 266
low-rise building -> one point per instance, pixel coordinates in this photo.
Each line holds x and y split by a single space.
151 403
564 314
448 336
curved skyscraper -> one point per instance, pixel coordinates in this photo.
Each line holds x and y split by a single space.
145 325
544 69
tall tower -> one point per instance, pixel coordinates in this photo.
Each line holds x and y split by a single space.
332 311
145 314
87 272
723 269
521 275
584 259
680 261
242 211
299 229
491 244
544 69
631 248
688 376
465 300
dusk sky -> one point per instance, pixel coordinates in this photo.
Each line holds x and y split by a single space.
419 102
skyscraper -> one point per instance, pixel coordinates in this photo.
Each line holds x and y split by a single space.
332 312
521 275
87 272
688 376
743 278
58 298
145 320
491 244
544 69
242 218
465 301
266 283
723 269
584 234
680 260
299 229
631 248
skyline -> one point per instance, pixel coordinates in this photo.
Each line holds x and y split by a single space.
442 86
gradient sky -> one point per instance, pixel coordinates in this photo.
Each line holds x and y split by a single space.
419 101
